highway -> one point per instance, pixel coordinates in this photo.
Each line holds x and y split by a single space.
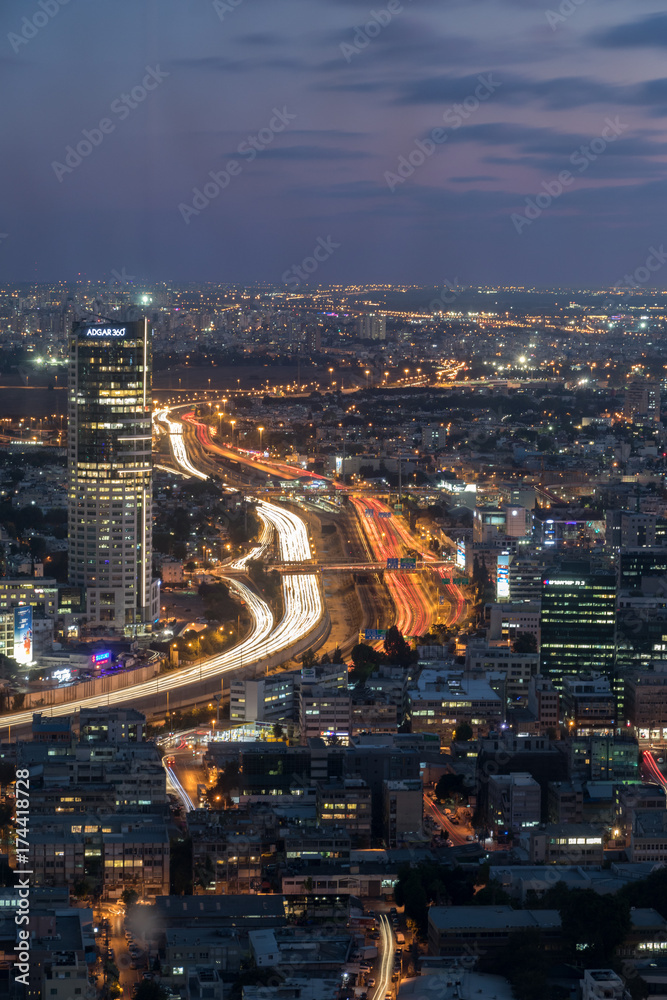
303 610
254 460
258 550
388 539
175 431
386 943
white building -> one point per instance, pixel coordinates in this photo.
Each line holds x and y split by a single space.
269 699
602 984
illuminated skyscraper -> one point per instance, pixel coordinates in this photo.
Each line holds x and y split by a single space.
110 473
578 623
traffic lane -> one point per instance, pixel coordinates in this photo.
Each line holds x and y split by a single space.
457 834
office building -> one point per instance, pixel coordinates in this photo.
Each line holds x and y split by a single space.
403 812
110 473
589 705
372 327
465 930
514 801
269 699
642 399
40 593
646 701
634 529
577 623
642 570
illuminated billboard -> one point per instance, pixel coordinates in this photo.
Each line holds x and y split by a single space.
461 553
23 635
105 332
503 577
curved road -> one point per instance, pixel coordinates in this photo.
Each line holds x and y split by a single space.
303 610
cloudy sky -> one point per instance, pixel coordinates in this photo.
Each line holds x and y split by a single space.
317 117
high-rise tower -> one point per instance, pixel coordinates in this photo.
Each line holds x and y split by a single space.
110 473
578 623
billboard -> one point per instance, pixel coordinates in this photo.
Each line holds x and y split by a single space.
23 635
503 577
461 553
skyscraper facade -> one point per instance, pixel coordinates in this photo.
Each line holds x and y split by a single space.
578 623
110 473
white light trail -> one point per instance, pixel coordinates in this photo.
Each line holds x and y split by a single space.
303 609
178 788
179 451
387 966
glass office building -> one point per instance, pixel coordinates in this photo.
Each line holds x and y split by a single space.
110 473
578 622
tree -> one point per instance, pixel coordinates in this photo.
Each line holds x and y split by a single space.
150 989
463 733
450 786
525 642
429 882
396 648
82 888
129 897
278 731
227 782
308 659
7 774
524 962
593 925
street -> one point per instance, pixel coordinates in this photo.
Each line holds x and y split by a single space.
457 833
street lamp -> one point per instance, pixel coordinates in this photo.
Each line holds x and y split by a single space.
261 430
232 422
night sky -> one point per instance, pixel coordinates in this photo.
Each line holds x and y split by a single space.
352 106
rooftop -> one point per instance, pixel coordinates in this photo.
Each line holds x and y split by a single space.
455 918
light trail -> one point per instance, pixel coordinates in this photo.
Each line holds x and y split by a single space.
245 457
258 551
177 443
456 836
389 539
302 610
178 788
387 965
654 771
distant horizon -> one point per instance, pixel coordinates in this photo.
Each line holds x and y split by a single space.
273 288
